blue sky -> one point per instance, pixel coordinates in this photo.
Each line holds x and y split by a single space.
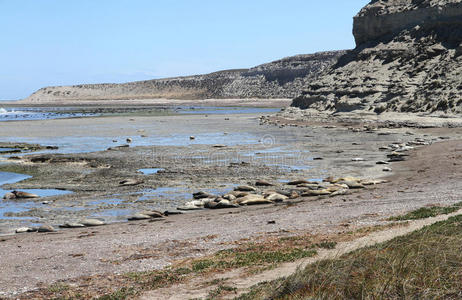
63 42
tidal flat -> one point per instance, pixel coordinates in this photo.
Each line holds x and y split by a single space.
168 158
205 149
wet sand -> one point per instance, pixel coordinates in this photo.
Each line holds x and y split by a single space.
273 153
266 152
156 102
36 259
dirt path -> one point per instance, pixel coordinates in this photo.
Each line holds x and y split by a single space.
439 164
236 278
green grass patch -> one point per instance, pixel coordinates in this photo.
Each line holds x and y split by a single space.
428 212
202 265
258 256
220 291
122 294
158 278
327 245
426 264
58 288
252 257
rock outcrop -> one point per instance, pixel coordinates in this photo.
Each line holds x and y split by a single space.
408 58
279 79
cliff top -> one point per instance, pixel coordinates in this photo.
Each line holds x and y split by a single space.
384 7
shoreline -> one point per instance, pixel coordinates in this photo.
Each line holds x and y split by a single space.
136 231
253 102
324 214
272 153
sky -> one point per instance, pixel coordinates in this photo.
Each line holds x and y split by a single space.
65 42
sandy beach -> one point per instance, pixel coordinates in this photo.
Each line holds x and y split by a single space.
249 149
157 150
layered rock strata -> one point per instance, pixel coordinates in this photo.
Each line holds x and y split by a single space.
279 79
408 58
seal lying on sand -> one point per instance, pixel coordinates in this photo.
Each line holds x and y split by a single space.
129 182
20 195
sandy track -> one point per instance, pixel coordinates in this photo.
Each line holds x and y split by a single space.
237 279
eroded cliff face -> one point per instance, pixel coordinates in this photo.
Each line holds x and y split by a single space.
382 17
408 58
279 79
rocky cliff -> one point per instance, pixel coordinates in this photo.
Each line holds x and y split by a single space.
279 79
408 58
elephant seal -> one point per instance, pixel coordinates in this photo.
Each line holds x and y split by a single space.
129 182
8 196
245 188
263 183
138 217
24 195
92 222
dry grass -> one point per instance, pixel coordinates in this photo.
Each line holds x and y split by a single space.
426 264
428 212
250 257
